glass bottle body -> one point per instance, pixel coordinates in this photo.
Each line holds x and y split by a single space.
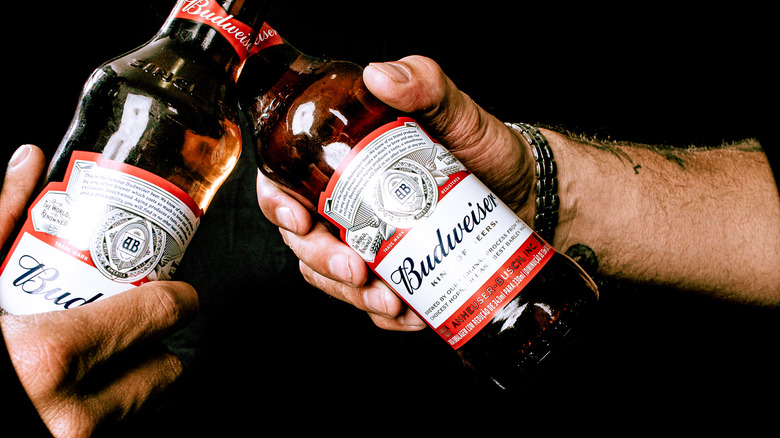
304 127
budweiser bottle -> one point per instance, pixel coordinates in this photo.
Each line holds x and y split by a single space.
491 287
155 134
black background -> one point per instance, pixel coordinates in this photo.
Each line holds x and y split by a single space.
268 351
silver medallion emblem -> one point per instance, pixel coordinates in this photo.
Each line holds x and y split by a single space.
126 247
405 192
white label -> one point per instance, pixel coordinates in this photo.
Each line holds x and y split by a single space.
40 278
106 228
431 230
441 261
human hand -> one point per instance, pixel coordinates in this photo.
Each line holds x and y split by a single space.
89 366
492 151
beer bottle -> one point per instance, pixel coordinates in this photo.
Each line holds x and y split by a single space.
155 134
492 288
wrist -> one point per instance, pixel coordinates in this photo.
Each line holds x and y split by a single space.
546 200
599 193
568 182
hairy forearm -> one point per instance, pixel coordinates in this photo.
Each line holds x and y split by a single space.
706 220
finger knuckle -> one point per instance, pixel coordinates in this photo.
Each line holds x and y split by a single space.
165 304
73 420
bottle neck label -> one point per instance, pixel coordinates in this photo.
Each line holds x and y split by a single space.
266 37
106 228
210 13
431 230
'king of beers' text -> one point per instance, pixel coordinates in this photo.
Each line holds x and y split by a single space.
412 273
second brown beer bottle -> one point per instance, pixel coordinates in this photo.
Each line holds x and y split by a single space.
494 290
155 134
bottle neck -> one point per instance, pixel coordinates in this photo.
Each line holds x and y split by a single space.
222 31
282 57
272 58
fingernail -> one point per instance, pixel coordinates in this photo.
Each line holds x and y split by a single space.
339 268
283 232
410 319
286 218
375 301
396 72
19 156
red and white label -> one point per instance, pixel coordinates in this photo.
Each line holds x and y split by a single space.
106 228
431 230
209 12
266 37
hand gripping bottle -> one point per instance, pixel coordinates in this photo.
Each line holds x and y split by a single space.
490 286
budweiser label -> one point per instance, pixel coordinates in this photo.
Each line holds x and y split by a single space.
210 13
266 37
431 230
106 228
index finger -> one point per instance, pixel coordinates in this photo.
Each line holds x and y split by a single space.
281 208
91 334
149 312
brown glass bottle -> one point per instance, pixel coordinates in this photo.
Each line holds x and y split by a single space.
186 75
308 113
155 133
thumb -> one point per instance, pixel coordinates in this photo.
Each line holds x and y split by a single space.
21 177
417 85
414 84
485 145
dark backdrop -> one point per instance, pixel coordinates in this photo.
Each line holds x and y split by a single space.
268 351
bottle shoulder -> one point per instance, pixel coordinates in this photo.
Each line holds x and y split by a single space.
142 102
166 70
111 97
329 86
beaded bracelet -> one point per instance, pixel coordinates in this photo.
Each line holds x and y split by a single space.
547 199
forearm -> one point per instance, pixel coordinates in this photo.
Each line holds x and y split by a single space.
702 220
